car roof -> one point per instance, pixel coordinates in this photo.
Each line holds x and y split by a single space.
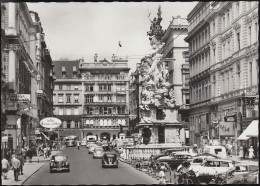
215 159
181 153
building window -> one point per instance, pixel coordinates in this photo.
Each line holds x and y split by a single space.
68 111
76 98
224 48
68 98
89 98
250 74
109 87
64 75
121 99
214 28
60 98
109 98
237 7
75 75
60 86
89 88
228 19
238 41
76 111
77 124
249 35
256 31
238 76
68 124
90 110
109 110
60 111
53 99
224 25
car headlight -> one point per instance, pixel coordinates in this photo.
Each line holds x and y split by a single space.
67 163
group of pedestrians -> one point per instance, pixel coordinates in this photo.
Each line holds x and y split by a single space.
16 164
245 152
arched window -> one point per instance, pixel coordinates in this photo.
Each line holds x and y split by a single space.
123 122
87 122
101 122
109 122
92 122
105 122
119 122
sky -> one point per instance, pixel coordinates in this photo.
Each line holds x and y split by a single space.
75 30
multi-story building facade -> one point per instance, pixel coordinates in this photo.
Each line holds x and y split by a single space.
19 61
68 97
105 91
45 76
176 50
223 38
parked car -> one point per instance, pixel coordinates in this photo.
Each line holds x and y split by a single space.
210 168
91 148
176 158
59 163
219 151
197 160
109 159
83 142
247 172
98 152
167 152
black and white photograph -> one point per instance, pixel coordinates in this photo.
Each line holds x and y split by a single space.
129 93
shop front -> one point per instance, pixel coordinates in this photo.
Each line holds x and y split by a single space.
250 136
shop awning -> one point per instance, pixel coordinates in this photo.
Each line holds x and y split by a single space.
251 131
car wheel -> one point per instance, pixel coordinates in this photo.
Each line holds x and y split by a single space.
68 170
51 171
116 166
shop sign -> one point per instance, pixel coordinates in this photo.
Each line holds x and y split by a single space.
20 98
215 120
50 122
226 129
231 118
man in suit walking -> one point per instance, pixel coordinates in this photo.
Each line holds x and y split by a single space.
16 166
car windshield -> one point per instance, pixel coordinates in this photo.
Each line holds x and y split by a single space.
60 158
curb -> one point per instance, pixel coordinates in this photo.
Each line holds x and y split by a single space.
36 171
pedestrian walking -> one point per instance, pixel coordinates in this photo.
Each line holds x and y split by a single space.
244 151
16 167
20 158
48 151
78 144
241 152
162 176
45 151
5 167
251 153
24 154
30 154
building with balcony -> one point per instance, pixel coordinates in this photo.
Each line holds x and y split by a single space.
223 42
68 97
19 61
105 91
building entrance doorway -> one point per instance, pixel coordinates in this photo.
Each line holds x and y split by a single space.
161 134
